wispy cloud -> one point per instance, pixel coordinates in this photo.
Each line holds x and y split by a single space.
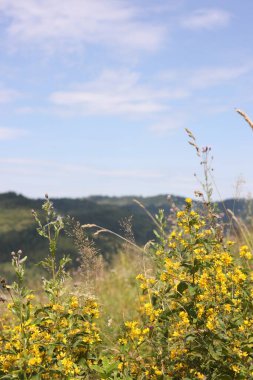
197 84
49 168
204 77
7 95
213 76
53 23
11 133
117 92
206 19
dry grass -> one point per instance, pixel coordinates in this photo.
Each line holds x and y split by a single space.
246 117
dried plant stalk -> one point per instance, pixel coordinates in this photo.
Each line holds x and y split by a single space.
91 261
246 117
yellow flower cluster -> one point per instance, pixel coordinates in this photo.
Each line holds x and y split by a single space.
197 307
245 252
52 341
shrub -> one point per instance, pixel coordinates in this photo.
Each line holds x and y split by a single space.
196 311
55 339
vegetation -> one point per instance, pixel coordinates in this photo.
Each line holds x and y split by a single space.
178 307
18 228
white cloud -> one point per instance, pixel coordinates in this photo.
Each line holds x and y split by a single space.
195 82
206 19
121 92
208 77
117 92
52 23
204 77
11 133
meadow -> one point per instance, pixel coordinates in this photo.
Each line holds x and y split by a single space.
178 307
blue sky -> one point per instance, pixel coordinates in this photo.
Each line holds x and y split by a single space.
95 95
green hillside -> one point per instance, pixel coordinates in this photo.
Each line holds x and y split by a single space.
18 230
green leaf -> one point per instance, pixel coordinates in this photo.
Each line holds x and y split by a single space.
214 354
192 290
182 286
97 369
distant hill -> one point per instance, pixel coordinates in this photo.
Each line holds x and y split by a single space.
18 230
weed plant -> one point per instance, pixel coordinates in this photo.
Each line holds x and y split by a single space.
54 340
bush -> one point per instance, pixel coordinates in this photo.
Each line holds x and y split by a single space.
54 339
196 311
